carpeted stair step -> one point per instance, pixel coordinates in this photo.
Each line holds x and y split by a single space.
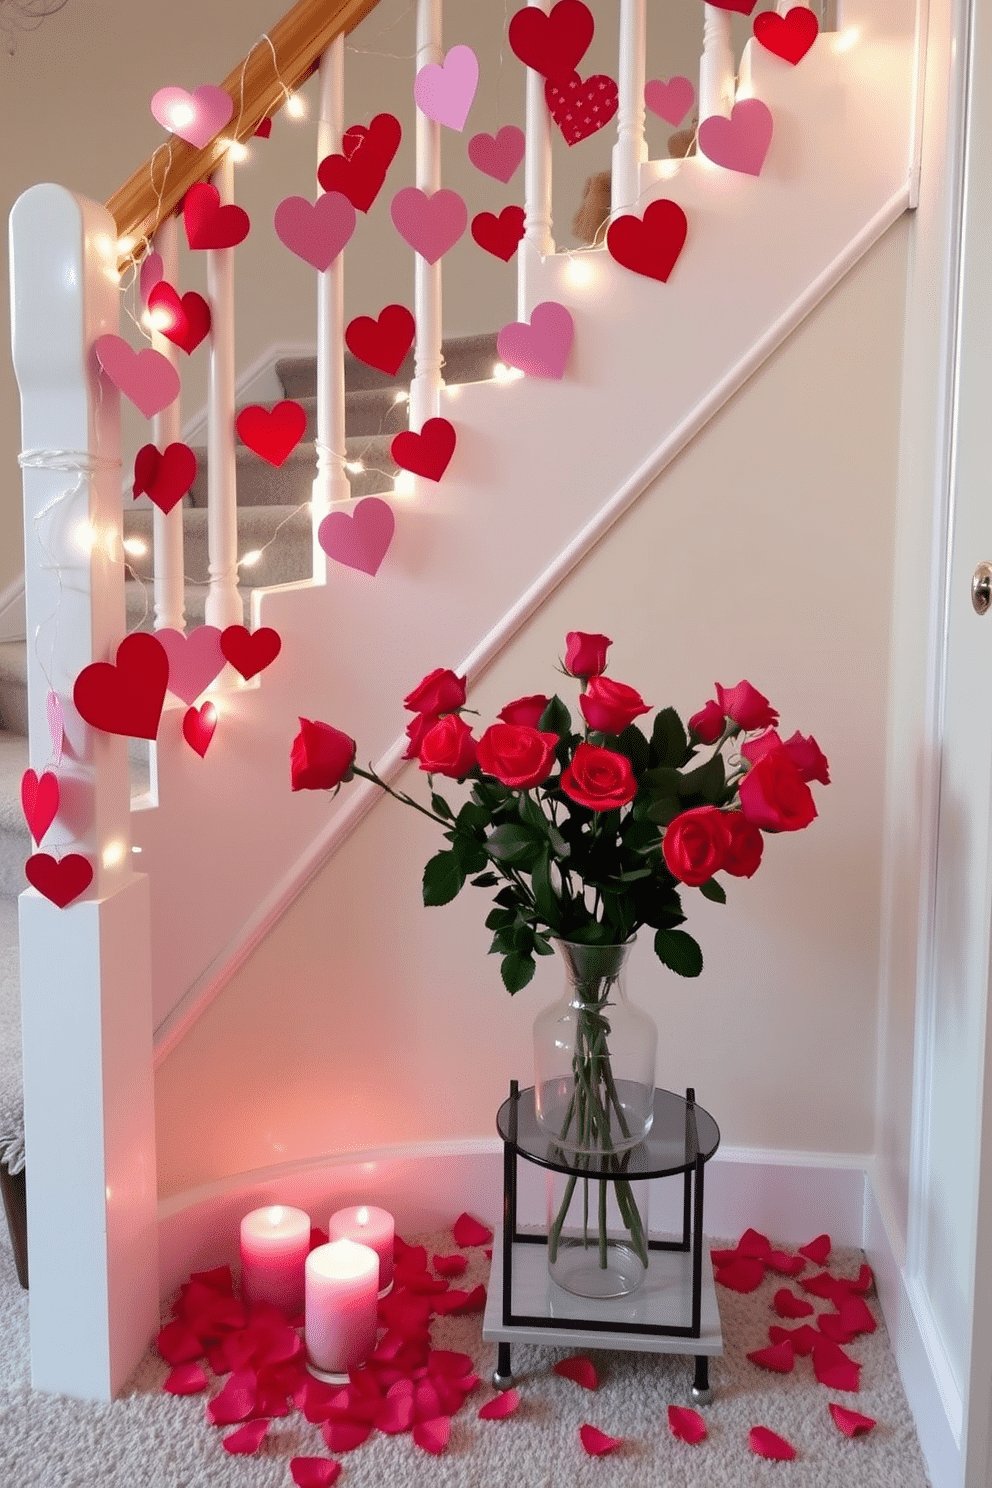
281 534
291 483
465 359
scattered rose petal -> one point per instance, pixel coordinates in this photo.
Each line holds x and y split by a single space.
426 1401
788 1305
833 1326
766 1443
785 1264
817 1250
596 1442
432 1436
468 1231
403 1312
850 1422
247 1439
364 1382
580 1369
834 1368
743 1274
218 1280
186 1379
450 1265
752 1243
500 1406
688 1425
345 1436
416 1255
314 1472
459 1301
863 1281
422 1283
857 1315
236 1400
178 1344
449 1363
803 1339
778 1356
823 1285
395 1414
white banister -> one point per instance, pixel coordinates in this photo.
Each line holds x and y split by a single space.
167 527
223 606
537 241
331 482
426 384
717 75
85 969
630 150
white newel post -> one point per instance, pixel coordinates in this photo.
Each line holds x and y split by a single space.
630 150
717 76
426 384
331 482
85 969
167 527
537 241
223 605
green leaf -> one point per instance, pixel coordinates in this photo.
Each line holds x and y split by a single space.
713 890
669 742
516 971
665 810
443 878
531 814
543 946
679 952
485 881
707 780
503 942
523 940
472 856
499 919
441 807
544 894
510 843
634 874
473 817
634 745
556 718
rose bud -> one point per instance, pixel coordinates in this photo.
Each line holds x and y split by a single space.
525 710
439 692
695 844
516 755
746 706
609 706
599 778
746 845
585 655
774 795
808 757
321 757
448 748
707 724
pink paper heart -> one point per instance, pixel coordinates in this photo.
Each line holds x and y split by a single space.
152 272
499 154
500 1406
430 224
315 231
56 725
444 90
766 1443
146 377
741 142
541 348
196 117
670 100
39 801
360 537
432 1436
685 1424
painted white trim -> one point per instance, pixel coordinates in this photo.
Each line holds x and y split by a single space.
13 622
258 383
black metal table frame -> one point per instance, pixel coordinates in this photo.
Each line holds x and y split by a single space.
692 1238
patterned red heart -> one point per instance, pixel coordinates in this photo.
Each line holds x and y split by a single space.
198 727
499 235
789 36
125 696
581 108
741 7
184 322
650 245
60 879
272 433
382 343
368 153
208 224
250 652
39 801
164 477
554 44
427 453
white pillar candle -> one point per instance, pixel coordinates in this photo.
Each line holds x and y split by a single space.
274 1245
342 1301
369 1226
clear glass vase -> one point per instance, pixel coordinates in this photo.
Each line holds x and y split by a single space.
598 1231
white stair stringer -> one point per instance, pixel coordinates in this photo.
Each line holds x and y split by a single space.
540 472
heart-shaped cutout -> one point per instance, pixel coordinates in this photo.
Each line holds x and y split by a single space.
151 273
499 235
650 245
198 727
582 106
739 7
360 171
185 322
195 659
125 696
540 349
788 36
670 99
146 377
427 453
272 433
196 117
60 879
741 142
382 343
208 224
164 477
498 155
315 231
360 536
39 801
443 91
250 652
552 44
431 224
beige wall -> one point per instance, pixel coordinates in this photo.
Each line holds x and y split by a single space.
765 551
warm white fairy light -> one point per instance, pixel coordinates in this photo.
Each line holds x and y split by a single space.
579 270
295 106
250 559
237 151
846 40
159 319
403 483
503 373
113 854
180 114
401 397
354 467
136 547
665 169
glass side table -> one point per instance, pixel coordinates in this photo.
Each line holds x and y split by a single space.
674 1311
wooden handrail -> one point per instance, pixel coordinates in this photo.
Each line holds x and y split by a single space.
258 86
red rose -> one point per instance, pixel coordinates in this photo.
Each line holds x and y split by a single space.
439 692
526 710
774 795
755 749
599 778
808 757
517 755
746 706
585 655
448 748
696 843
415 731
609 706
321 756
707 724
746 845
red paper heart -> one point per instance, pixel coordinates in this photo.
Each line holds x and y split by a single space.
766 1443
467 1230
740 7
39 801
596 1442
164 476
580 1369
651 245
788 1305
125 696
185 322
850 1422
429 454
789 36
368 153
499 235
272 433
60 879
250 652
818 1250
685 1424
264 129
778 1357
580 107
554 44
208 224
198 727
382 343
500 1406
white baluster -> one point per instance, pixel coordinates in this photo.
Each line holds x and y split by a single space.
537 242
630 149
167 527
223 601
716 69
331 482
426 384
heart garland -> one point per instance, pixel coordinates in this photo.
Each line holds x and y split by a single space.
360 171
384 342
272 433
151 272
185 322
650 245
164 477
195 659
552 44
788 36
125 696
358 537
39 801
315 231
541 348
208 224
198 727
671 100
431 224
60 879
444 91
250 652
427 453
498 155
741 142
196 117
146 378
499 235
581 107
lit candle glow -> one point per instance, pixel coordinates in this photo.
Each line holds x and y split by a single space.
274 1246
342 1300
367 1225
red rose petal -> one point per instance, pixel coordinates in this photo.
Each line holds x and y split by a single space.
833 1326
450 1265
403 1312
817 1250
766 1443
803 1339
247 1439
500 1406
596 1442
345 1436
178 1344
426 1401
236 1400
850 1422
395 1414
468 1231
788 1305
688 1425
863 1281
314 1472
415 1254
834 1368
421 1283
743 1274
449 1363
823 1285
317 1237
580 1369
754 1244
856 1315
432 1436
459 1301
785 1264
219 1279
778 1356
186 1379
